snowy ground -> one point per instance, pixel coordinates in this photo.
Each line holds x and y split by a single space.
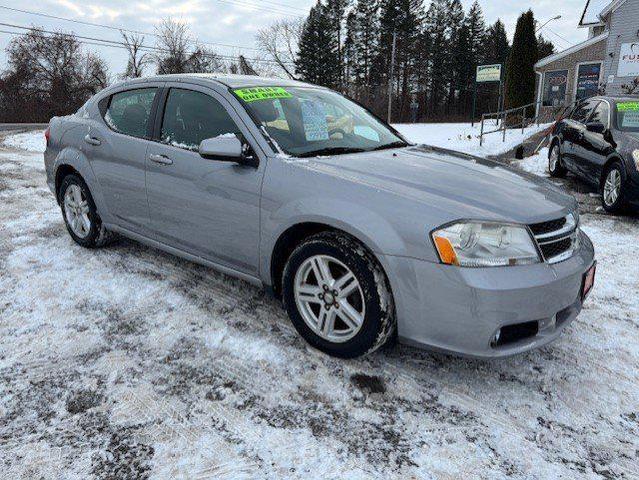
129 363
463 137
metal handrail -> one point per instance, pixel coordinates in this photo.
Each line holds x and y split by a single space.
502 117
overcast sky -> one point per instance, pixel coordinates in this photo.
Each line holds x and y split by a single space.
235 22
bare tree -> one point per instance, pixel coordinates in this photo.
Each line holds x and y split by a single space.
138 60
280 41
632 87
47 75
173 41
204 60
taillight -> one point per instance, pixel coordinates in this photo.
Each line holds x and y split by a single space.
47 135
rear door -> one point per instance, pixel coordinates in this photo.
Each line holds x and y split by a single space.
575 126
208 208
592 148
116 148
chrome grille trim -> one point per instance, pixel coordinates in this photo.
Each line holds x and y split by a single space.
546 241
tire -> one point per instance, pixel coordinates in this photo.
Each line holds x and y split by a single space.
371 297
614 176
95 236
556 168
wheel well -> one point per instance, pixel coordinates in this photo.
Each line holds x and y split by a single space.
555 141
61 172
285 245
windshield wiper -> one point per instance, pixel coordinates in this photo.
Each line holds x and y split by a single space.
398 144
330 151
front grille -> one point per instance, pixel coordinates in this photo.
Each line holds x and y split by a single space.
557 238
551 250
547 227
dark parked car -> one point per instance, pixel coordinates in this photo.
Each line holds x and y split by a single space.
599 142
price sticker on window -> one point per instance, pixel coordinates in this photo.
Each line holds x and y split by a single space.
628 114
255 94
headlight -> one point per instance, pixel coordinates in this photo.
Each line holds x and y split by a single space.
485 244
635 157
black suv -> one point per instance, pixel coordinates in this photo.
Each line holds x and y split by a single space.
599 142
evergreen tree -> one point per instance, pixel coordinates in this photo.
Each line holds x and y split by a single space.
496 45
404 18
437 30
476 27
318 52
520 71
459 43
545 47
335 10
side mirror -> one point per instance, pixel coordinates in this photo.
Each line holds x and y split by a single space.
595 127
226 148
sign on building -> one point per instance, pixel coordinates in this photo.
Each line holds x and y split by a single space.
488 73
628 60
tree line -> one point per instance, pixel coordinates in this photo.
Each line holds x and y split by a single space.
348 46
50 74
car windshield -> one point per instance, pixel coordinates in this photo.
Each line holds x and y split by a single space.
307 122
628 116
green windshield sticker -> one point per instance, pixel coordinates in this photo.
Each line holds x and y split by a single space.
254 94
627 106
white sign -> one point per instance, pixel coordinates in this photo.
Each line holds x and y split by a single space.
628 60
488 73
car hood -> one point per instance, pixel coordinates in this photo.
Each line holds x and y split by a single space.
461 184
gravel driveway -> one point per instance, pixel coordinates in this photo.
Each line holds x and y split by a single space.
129 363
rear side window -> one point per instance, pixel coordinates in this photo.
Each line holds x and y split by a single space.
582 111
190 117
129 112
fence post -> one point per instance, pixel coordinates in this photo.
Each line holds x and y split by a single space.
481 131
523 121
503 127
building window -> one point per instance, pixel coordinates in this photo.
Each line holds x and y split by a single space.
555 88
588 80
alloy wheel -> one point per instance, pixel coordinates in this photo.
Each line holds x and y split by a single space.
76 210
612 187
329 298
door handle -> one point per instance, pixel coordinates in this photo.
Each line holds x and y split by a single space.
92 140
161 159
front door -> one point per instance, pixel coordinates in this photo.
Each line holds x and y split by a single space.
205 207
574 131
593 148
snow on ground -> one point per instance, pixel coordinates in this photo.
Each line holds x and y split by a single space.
32 141
537 164
463 137
125 362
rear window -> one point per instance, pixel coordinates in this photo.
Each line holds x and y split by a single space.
129 112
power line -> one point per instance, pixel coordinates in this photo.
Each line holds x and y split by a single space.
113 43
118 29
560 37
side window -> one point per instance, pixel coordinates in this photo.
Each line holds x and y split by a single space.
582 111
190 117
128 112
600 114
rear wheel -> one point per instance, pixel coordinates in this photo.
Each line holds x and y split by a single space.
80 215
337 296
555 165
613 188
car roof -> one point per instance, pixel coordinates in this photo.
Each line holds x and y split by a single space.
228 80
615 98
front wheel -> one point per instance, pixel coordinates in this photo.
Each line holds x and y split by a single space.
337 296
613 188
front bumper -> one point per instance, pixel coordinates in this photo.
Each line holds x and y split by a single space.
460 310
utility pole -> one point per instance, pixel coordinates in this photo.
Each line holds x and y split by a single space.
390 78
